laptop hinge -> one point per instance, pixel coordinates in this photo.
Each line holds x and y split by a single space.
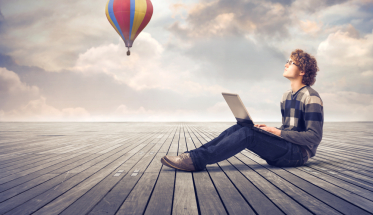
245 122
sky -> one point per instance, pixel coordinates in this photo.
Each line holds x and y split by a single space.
63 61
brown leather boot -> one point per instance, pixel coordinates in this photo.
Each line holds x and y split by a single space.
181 162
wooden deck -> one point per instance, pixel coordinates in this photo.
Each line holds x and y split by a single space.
114 168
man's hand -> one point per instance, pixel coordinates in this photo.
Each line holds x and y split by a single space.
273 130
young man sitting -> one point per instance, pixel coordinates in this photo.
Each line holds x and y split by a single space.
301 130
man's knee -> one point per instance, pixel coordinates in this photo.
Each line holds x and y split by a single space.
246 129
234 128
231 130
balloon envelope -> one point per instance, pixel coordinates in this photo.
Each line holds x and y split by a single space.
129 17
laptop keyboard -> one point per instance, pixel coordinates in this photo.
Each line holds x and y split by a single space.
266 132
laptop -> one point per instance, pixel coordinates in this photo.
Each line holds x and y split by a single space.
242 116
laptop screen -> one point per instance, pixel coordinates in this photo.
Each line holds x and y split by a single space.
237 107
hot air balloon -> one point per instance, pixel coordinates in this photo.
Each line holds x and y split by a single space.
129 18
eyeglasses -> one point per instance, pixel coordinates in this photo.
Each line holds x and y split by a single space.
290 62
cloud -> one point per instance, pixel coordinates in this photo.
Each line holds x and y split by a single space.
11 83
313 6
368 73
215 113
14 92
179 9
147 67
141 70
245 41
233 60
190 53
2 22
344 49
124 110
311 27
56 33
124 113
347 106
219 107
22 102
112 60
39 110
346 61
227 17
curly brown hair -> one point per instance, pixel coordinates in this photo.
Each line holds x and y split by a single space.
306 63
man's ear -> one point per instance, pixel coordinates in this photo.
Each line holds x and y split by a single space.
302 73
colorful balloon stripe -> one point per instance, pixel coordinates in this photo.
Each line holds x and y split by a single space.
110 16
147 17
129 17
122 12
140 11
133 10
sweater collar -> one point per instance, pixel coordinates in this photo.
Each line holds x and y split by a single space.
296 93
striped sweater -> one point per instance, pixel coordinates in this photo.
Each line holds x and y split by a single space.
302 118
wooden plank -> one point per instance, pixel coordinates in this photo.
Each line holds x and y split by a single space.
280 199
12 203
61 184
344 157
59 168
42 146
50 145
29 158
308 186
344 194
339 162
339 183
33 151
34 142
232 199
86 202
184 201
137 200
303 198
160 201
35 168
33 178
175 143
116 196
352 177
105 168
349 146
351 159
258 201
47 159
209 201
182 142
24 187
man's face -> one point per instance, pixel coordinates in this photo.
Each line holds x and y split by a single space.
291 70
